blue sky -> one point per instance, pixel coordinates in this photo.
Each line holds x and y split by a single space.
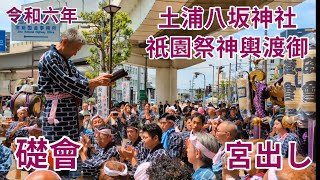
306 18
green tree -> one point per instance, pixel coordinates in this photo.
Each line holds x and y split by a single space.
199 95
186 96
274 77
121 47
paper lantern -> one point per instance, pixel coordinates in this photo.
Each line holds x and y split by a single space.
292 85
308 105
244 95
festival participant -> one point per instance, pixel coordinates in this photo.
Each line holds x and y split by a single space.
223 115
127 115
63 85
43 175
146 117
92 165
93 148
151 136
226 132
154 111
5 160
85 109
187 109
185 134
117 125
201 148
82 121
135 142
172 141
215 123
114 170
177 107
284 136
166 168
16 128
91 108
198 122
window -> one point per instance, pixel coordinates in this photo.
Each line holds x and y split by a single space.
272 60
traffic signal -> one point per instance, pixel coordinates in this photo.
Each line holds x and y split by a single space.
220 69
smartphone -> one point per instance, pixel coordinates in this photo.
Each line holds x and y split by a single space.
118 75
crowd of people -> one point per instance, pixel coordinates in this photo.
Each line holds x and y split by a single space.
184 141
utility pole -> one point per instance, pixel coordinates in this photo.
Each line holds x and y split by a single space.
212 77
265 61
145 78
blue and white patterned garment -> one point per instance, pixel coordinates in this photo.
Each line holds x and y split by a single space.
204 173
185 135
156 153
117 131
20 133
142 151
59 75
5 160
285 143
91 167
175 145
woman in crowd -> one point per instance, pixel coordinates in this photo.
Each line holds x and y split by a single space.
16 128
282 127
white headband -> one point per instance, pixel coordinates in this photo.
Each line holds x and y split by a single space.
201 147
103 131
114 173
22 109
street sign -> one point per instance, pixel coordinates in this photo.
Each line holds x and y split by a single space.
49 32
125 91
7 42
142 95
2 41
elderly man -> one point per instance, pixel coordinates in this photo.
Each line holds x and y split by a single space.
64 86
201 148
226 132
92 165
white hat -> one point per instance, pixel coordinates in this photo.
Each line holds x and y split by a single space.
172 108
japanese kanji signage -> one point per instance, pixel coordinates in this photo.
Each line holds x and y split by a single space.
34 24
125 91
48 32
32 153
102 101
185 47
2 41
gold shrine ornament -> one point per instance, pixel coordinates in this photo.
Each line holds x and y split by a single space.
256 75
